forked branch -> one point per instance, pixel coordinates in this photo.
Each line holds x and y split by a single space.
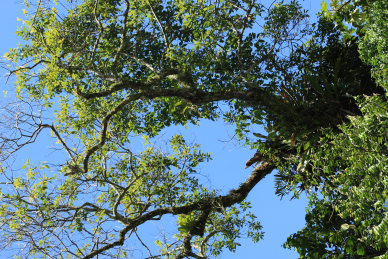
223 201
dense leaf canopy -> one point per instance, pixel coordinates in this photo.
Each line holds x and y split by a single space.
100 75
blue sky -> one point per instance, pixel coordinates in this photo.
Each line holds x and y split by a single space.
280 218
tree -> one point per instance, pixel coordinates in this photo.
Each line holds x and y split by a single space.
349 220
101 72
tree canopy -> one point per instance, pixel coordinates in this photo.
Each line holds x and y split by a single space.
99 75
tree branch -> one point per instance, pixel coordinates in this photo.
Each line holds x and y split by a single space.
235 196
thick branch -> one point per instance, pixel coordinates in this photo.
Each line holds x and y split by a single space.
235 196
254 96
150 89
132 84
105 123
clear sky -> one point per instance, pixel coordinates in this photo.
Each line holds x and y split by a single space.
280 218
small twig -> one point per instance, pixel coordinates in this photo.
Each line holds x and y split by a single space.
160 25
125 29
143 244
100 26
